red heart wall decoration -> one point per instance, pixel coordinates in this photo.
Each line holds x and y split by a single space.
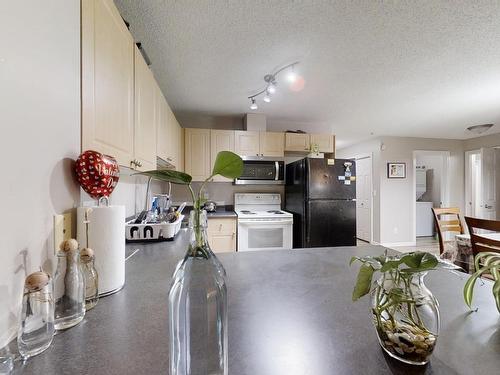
97 173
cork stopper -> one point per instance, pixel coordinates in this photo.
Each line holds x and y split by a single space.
36 281
86 254
69 245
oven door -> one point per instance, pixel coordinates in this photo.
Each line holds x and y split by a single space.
258 171
255 234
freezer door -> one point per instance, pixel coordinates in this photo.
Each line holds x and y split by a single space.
323 179
330 223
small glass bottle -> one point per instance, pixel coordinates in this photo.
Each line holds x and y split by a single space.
91 278
69 287
6 359
37 317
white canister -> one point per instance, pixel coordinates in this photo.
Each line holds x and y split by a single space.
106 236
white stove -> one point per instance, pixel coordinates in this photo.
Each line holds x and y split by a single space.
262 225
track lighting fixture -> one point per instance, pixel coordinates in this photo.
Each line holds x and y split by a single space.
271 84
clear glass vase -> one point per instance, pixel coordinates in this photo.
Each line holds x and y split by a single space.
37 316
69 290
198 308
406 317
91 278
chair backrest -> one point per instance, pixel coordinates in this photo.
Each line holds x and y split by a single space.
478 241
451 223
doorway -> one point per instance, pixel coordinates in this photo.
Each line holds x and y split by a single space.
431 190
364 198
481 179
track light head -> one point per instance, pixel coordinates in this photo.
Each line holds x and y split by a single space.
253 106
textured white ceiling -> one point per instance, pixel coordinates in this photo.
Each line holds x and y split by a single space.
402 68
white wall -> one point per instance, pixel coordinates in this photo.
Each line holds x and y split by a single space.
491 140
393 202
40 124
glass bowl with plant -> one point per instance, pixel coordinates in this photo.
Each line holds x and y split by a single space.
197 298
485 263
405 312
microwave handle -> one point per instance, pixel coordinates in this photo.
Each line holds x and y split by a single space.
277 167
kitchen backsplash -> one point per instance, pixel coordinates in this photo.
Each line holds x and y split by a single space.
223 191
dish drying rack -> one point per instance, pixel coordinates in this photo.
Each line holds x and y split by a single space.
139 230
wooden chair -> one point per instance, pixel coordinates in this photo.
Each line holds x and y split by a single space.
451 223
478 241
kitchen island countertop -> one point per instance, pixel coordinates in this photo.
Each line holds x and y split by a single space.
290 312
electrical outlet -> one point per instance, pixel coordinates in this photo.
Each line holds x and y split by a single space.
62 229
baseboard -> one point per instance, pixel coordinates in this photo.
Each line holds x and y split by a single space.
398 244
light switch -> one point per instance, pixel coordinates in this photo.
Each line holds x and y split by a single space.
62 229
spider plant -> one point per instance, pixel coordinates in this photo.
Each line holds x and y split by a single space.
485 262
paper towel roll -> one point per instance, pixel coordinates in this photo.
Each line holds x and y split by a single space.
107 239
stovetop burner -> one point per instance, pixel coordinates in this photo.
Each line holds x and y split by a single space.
247 212
276 212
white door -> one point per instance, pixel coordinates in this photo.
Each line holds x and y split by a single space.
363 198
488 182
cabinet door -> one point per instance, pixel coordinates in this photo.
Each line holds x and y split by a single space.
107 82
220 140
180 162
222 234
272 144
222 243
246 143
297 142
197 153
326 142
162 126
145 115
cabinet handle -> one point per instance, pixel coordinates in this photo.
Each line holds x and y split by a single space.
133 162
220 227
139 164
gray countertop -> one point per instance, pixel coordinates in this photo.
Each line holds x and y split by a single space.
290 312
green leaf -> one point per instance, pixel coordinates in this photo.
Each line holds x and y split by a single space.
390 265
496 293
363 281
419 261
228 164
471 282
174 177
367 259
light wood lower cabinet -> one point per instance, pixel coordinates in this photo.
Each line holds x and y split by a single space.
222 234
107 82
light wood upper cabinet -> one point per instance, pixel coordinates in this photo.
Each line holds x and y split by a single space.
297 142
146 92
326 142
247 143
107 82
162 130
222 234
220 140
272 144
197 153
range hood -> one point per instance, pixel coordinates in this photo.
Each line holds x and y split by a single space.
255 122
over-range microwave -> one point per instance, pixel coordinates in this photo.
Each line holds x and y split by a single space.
262 170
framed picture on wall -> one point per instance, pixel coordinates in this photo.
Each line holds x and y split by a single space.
396 170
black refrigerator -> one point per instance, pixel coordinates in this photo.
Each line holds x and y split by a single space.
321 195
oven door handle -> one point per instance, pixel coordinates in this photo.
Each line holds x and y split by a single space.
276 222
